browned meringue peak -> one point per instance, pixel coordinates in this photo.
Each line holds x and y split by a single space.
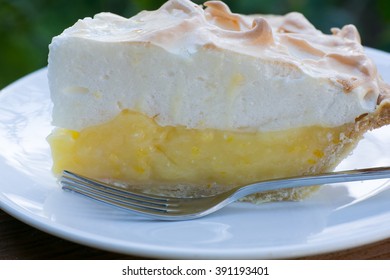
347 32
220 15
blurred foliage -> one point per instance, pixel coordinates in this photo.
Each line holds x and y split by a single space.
27 26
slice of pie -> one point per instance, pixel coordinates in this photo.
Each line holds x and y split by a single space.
190 100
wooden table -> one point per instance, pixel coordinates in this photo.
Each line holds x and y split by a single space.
23 242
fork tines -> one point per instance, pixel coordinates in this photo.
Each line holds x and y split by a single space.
114 195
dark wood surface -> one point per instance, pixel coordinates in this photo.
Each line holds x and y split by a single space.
19 241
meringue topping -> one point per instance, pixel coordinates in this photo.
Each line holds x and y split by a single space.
185 30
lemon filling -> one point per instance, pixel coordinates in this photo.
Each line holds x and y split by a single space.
133 148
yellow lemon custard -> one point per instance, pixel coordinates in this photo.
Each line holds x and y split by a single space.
191 100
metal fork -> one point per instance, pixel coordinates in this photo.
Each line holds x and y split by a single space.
170 208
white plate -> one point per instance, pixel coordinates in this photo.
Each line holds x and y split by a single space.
337 217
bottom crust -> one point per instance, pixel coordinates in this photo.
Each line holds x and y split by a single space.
133 151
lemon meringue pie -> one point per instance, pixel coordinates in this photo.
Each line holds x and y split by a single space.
189 100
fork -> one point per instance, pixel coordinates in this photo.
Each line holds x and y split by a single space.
171 208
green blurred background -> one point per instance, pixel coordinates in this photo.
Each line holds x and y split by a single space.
27 26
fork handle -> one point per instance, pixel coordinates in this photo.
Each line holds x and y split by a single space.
310 180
